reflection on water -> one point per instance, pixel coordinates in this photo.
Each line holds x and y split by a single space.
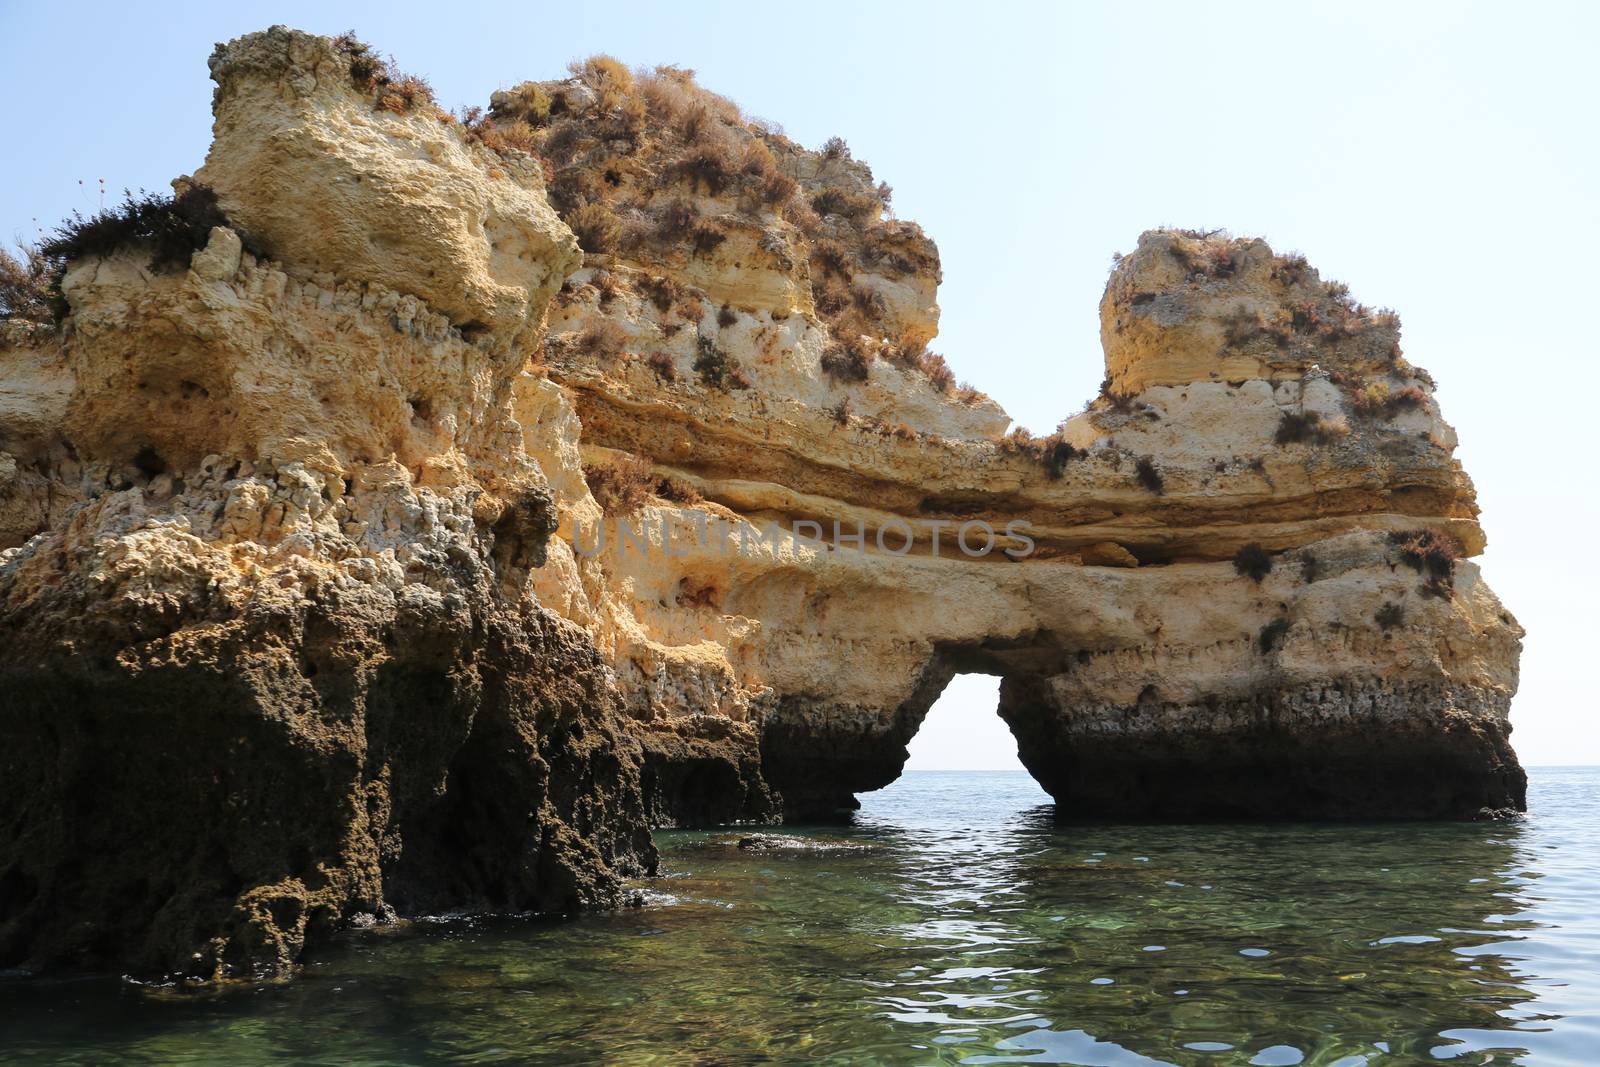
954 923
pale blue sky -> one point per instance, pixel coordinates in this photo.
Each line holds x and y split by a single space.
1441 158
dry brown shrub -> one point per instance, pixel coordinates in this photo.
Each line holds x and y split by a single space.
798 211
666 370
663 292
832 258
774 189
602 339
1147 474
937 371
706 236
845 361
1431 553
664 98
856 207
717 369
708 164
1410 396
906 355
596 227
621 486
677 220
608 285
610 81
678 491
528 102
367 70
500 133
868 303
756 160
1303 428
695 123
830 295
404 93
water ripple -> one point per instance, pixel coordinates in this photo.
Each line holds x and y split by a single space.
955 923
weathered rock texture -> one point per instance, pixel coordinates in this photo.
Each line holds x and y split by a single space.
271 659
424 559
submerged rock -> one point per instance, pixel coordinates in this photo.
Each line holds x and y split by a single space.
794 843
398 558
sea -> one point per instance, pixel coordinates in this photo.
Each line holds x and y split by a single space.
954 922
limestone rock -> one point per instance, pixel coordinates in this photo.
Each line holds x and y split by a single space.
324 180
349 572
1108 554
265 537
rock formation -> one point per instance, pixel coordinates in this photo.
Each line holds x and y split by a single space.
490 488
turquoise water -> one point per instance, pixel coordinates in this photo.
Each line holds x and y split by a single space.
955 924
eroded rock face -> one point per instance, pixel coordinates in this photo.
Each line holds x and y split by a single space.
302 160
1249 407
249 696
309 617
272 662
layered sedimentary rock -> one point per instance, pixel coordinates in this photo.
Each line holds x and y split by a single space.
489 490
1248 407
271 663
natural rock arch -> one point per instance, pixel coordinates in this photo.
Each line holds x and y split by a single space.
1299 752
299 625
1242 595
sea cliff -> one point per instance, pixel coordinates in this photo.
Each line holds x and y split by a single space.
482 490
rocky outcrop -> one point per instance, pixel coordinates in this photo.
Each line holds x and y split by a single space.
1219 610
271 661
304 160
491 489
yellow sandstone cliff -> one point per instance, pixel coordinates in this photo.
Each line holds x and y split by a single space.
489 488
